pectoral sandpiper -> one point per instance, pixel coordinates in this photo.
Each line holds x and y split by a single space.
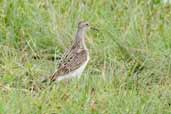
75 59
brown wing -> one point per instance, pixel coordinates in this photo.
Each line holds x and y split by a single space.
71 62
66 55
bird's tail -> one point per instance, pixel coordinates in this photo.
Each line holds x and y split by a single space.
47 80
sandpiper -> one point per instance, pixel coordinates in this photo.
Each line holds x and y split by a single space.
75 59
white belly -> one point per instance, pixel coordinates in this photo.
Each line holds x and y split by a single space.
75 73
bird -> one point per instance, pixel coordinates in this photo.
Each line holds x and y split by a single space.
76 58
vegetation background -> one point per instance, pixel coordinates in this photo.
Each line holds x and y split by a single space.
130 67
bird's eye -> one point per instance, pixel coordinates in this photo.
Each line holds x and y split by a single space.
87 24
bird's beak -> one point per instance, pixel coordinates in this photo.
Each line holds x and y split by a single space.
95 29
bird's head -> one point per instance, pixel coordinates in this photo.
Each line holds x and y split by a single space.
83 25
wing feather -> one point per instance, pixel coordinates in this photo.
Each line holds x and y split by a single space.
72 61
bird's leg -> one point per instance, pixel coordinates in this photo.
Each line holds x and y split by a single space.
66 81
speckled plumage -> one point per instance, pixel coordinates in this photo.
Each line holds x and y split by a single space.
75 59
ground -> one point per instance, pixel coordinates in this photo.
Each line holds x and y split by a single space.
130 67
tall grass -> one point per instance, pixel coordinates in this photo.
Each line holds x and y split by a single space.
130 67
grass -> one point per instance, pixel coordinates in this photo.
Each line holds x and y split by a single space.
130 67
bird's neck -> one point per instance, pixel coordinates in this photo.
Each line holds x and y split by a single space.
80 38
